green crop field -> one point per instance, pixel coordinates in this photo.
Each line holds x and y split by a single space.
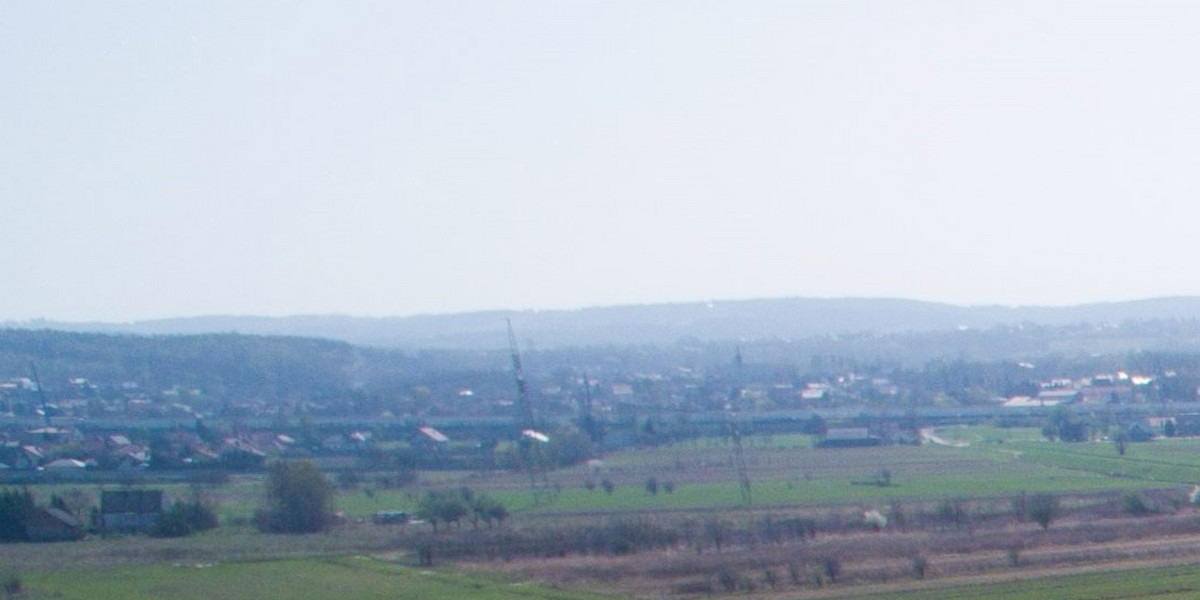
783 469
1161 461
788 470
346 578
1164 583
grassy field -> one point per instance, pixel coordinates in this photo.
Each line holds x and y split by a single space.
787 470
787 473
354 577
346 578
1164 583
1160 461
784 470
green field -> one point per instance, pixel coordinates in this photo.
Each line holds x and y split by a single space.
346 578
1174 461
784 470
787 470
360 577
1165 583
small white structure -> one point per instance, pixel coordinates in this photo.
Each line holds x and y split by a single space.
535 435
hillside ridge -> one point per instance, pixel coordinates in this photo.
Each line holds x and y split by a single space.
652 324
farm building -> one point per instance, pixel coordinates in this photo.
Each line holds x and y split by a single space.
429 439
18 456
52 525
130 510
387 517
849 437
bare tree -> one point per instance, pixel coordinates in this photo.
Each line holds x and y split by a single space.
1043 509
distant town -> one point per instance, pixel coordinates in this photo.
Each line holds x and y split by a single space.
702 466
73 427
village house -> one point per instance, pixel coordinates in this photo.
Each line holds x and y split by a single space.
849 437
240 453
130 511
15 455
52 525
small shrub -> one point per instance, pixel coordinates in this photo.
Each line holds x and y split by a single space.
631 536
833 568
795 574
716 531
1043 509
898 517
13 586
668 486
728 579
425 553
920 566
1020 506
1135 504
883 478
1014 554
952 512
746 584
770 579
608 486
589 485
184 519
652 486
703 586
798 527
15 508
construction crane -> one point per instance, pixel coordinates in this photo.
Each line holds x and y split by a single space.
535 461
41 394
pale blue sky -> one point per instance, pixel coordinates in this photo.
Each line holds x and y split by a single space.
391 158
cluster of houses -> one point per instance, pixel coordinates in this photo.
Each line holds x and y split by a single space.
60 448
81 399
1105 388
64 450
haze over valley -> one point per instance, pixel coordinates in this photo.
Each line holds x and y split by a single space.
591 300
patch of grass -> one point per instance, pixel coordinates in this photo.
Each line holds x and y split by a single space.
995 480
1161 461
346 578
1165 583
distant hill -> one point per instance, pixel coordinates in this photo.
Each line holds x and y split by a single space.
748 320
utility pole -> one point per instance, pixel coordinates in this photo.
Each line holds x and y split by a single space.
740 460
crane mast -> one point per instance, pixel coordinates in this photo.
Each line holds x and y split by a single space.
519 373
41 394
534 459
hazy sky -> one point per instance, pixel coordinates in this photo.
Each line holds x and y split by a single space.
390 158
